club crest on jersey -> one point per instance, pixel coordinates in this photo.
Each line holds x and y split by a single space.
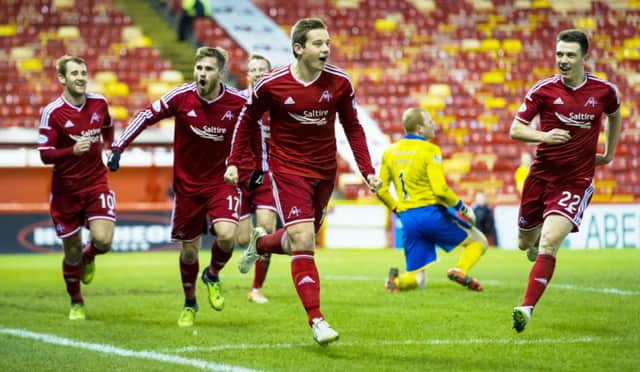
294 212
210 133
94 117
227 116
591 102
325 96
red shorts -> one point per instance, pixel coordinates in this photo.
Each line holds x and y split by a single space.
301 199
70 212
541 198
190 213
259 198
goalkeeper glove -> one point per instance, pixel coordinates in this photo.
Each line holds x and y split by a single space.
114 160
466 212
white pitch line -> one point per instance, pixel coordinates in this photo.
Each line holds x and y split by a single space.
434 342
110 349
613 291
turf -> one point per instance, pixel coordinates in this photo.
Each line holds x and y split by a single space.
587 320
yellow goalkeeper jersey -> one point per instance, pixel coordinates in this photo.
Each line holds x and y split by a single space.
414 165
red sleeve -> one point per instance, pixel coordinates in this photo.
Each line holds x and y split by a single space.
158 110
52 156
247 127
348 112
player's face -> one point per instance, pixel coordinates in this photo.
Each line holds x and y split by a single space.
255 69
570 61
428 126
75 79
207 75
315 52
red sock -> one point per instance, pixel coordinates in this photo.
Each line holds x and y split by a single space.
262 266
307 282
219 258
90 252
189 274
539 278
271 243
72 275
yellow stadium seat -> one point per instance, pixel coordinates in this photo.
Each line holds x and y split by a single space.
130 32
60 4
8 30
495 102
512 45
470 45
540 4
95 87
30 65
346 4
630 54
443 90
116 89
433 102
600 74
522 4
157 89
105 77
385 25
118 112
172 77
625 110
490 45
424 5
482 5
21 52
493 77
68 32
586 23
632 42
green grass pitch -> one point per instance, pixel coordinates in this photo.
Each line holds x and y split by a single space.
587 320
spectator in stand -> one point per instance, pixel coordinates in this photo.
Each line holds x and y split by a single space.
74 130
205 113
414 166
485 220
559 186
303 99
191 9
255 185
523 170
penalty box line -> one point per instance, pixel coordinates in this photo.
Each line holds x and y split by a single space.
114 350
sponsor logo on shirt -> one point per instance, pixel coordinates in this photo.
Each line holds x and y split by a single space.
325 96
210 133
311 117
93 135
580 119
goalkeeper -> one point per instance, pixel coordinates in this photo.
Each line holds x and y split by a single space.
424 203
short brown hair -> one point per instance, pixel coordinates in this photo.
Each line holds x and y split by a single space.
218 53
575 36
259 57
301 29
61 63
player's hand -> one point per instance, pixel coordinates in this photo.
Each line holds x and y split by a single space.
81 146
231 175
256 180
114 160
556 136
373 182
603 159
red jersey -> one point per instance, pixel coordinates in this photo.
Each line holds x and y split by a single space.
303 122
255 156
202 134
579 110
61 125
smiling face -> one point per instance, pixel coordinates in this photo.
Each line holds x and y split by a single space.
255 69
207 75
570 62
315 52
74 79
